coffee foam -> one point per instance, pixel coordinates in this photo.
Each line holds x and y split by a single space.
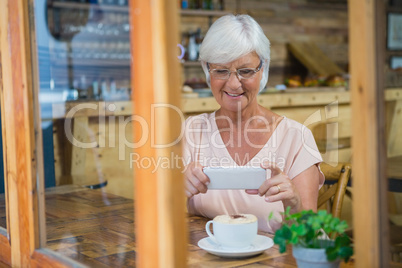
235 219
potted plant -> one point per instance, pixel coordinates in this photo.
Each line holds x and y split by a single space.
318 238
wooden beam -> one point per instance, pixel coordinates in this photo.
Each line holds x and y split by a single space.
21 133
366 49
17 103
161 231
311 56
19 138
5 71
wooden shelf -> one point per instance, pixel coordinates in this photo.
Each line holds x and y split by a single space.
125 9
95 62
68 5
191 64
205 13
125 36
62 110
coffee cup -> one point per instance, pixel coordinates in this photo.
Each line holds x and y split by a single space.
233 231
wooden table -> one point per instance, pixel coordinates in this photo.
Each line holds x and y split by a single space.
97 229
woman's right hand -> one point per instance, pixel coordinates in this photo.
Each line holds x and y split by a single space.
195 179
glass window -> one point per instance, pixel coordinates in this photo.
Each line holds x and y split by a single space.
84 70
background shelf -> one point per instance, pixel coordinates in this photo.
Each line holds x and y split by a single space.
191 64
125 9
69 5
96 62
200 12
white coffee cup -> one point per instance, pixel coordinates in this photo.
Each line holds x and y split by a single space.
233 231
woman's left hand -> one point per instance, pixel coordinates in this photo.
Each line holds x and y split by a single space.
279 188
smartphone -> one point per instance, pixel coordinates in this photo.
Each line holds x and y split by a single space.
229 178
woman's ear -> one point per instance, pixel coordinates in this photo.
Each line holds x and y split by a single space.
207 76
265 74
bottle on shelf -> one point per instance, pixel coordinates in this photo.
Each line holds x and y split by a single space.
113 87
184 4
192 42
198 40
195 4
192 48
95 89
220 5
202 4
207 4
104 90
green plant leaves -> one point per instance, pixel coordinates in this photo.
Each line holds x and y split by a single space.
332 253
289 235
284 235
306 229
341 249
345 253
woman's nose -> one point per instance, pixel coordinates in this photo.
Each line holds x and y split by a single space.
234 81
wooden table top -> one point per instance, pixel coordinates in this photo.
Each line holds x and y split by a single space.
97 229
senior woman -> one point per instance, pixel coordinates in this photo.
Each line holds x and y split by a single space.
235 57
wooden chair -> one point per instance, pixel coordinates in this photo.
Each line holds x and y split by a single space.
333 192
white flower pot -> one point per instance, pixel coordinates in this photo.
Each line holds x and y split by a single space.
313 258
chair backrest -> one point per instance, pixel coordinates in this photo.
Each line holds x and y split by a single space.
336 180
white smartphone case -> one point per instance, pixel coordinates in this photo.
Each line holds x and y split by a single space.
229 178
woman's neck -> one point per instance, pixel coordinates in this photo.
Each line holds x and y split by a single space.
241 117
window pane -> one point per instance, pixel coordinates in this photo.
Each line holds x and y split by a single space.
84 70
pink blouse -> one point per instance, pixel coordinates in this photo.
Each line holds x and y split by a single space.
292 147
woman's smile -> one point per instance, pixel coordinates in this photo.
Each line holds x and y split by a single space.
234 95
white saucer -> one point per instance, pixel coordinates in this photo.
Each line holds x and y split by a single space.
260 244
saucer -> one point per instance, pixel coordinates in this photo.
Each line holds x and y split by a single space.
259 244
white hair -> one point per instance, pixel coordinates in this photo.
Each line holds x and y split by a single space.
231 37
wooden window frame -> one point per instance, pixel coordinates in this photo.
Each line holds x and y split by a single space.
21 242
161 234
160 228
367 24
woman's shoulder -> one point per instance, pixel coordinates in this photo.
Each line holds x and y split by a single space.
290 129
287 123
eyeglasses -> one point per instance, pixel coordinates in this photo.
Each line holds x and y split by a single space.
244 73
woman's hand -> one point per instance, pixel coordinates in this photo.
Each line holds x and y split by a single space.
279 188
195 179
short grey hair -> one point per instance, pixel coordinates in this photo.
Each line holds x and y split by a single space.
231 37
